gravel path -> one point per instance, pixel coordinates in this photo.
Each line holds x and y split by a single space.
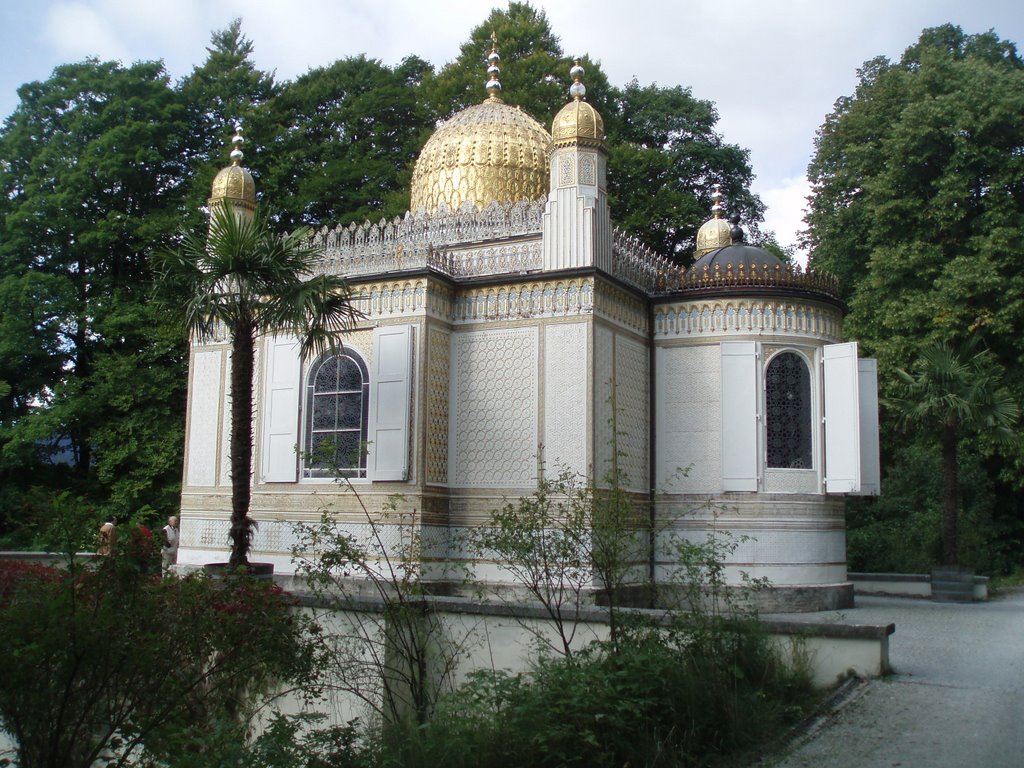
956 698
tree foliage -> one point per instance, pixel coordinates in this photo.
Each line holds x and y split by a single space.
534 70
951 393
225 89
665 157
918 196
917 206
105 661
348 136
91 173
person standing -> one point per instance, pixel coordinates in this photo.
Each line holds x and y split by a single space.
169 548
108 537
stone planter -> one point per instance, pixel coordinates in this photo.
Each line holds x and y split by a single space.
952 584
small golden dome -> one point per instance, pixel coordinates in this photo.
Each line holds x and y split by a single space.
715 232
577 122
234 184
485 153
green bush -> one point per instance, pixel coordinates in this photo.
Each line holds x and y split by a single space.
660 697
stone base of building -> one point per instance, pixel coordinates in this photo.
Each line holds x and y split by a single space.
794 598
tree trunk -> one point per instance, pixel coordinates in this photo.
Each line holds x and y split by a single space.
243 353
950 498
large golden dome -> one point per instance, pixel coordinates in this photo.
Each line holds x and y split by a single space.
485 153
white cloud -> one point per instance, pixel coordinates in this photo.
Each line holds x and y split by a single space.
785 203
77 31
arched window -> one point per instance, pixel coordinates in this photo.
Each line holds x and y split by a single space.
788 412
337 407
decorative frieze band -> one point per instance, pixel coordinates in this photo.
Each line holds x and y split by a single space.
411 241
547 298
620 307
688 319
388 299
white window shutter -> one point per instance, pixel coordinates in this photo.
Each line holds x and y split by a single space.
739 416
281 410
842 419
870 469
390 389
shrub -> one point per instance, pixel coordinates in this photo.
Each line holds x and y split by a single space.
661 697
111 662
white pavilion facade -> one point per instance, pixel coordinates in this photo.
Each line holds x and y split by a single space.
509 327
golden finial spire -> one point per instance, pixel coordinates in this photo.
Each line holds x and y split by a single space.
234 183
717 196
493 83
714 233
577 90
237 141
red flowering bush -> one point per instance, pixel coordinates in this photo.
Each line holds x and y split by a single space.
107 658
15 574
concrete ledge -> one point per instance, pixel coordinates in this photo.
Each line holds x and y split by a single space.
833 650
907 585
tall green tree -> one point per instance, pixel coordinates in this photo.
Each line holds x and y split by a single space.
918 204
665 157
951 393
349 134
225 89
918 195
534 69
250 281
91 175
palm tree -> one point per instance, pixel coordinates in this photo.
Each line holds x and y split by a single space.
951 393
245 280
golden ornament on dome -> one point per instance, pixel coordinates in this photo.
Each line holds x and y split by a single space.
577 122
234 183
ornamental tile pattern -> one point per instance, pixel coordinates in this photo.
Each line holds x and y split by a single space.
565 396
631 376
438 362
493 421
203 418
689 431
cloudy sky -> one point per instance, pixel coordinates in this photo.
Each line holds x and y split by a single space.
773 67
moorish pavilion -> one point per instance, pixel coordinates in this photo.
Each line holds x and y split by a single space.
509 328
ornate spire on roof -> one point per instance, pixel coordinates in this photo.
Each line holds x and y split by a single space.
237 141
234 184
577 90
493 71
715 232
577 123
716 197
